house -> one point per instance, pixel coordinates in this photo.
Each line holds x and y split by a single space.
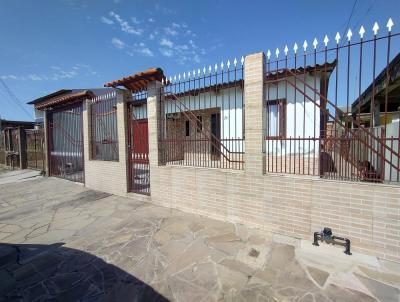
378 109
242 143
296 117
379 104
12 135
15 124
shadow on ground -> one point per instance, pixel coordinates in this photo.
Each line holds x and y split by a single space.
33 272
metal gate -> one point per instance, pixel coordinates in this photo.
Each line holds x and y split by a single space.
138 142
35 149
12 152
66 143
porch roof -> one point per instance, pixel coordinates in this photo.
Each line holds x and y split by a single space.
51 95
380 86
138 81
69 98
327 67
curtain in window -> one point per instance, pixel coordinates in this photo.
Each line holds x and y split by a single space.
273 120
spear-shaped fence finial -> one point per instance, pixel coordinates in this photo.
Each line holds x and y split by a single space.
389 24
362 32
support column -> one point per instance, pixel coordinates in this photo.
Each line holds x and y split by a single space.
123 97
377 114
23 164
46 129
254 70
153 116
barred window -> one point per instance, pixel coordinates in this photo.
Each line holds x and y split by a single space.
276 118
104 133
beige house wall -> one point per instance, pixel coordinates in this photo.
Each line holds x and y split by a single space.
297 206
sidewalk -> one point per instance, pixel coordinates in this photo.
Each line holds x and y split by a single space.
61 241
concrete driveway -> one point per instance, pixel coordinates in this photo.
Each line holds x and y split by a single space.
63 242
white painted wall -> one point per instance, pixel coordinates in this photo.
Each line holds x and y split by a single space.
392 129
303 116
230 103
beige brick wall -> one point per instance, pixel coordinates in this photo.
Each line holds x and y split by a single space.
297 206
108 176
368 214
254 111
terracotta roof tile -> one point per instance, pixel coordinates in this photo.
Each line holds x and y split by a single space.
69 98
138 81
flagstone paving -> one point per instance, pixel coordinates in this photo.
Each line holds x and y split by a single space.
62 242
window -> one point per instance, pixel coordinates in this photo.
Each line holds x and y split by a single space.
276 118
187 128
104 133
199 123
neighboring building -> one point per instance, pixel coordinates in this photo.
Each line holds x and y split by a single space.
61 112
11 142
378 108
15 124
371 108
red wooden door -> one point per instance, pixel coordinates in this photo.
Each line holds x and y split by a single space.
139 168
140 144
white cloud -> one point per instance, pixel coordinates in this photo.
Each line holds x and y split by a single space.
57 73
166 52
125 27
140 48
182 47
151 20
166 42
107 21
147 52
11 77
35 77
118 43
135 20
170 31
164 10
63 74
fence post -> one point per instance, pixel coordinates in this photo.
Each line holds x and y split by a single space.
22 148
123 97
46 129
254 70
153 116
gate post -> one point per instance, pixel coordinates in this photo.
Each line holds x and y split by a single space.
123 97
46 130
22 148
254 112
153 116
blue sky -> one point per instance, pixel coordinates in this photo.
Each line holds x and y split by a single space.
54 44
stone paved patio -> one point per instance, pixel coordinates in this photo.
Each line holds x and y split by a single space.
63 242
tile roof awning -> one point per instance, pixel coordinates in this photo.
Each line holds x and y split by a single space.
138 81
69 98
51 95
286 72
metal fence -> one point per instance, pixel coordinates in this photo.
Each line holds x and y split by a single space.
66 143
104 129
202 118
138 142
35 155
323 105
